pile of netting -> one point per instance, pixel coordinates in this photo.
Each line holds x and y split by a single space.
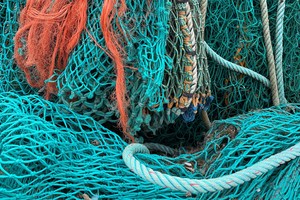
71 146
156 54
48 151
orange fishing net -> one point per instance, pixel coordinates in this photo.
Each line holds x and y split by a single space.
48 32
116 52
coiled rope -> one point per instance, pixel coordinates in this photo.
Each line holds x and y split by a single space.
205 185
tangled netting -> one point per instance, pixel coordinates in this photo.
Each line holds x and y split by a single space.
50 152
46 37
236 143
67 149
154 46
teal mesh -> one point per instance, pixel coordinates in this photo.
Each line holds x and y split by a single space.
61 149
239 142
50 152
87 84
225 33
11 77
234 24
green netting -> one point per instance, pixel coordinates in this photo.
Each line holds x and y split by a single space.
11 77
62 150
239 142
155 49
87 84
50 152
234 30
231 25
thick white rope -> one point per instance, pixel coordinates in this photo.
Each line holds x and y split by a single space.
193 40
270 55
205 185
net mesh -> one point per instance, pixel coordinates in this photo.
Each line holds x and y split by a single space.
63 150
11 77
49 151
48 32
234 30
155 72
239 142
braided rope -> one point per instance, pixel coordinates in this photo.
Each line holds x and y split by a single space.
206 119
193 45
203 10
162 148
190 71
279 50
236 67
270 55
205 185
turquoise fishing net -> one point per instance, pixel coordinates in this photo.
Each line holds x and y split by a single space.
11 77
154 61
239 142
50 152
231 25
63 149
47 151
88 82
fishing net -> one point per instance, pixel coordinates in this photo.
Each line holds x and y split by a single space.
11 77
48 32
49 151
149 71
71 147
234 30
156 54
239 142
